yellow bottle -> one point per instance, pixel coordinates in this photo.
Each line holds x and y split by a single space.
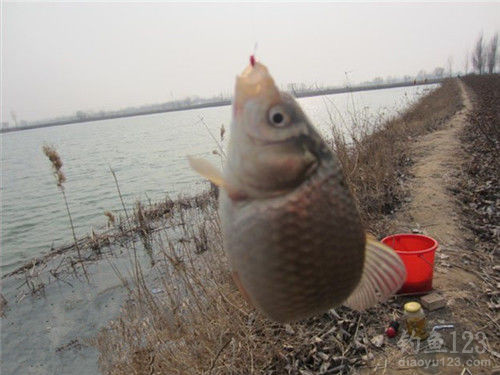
415 320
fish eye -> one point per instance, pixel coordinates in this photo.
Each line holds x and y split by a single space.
278 116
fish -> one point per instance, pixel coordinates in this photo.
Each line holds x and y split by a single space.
291 229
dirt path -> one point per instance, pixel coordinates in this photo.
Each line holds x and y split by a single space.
438 159
432 209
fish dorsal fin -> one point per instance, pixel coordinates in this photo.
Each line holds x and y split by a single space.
383 274
207 170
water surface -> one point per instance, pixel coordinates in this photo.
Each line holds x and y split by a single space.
148 154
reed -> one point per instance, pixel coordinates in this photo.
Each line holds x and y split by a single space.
56 163
111 218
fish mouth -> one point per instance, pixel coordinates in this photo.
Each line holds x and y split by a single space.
254 81
264 142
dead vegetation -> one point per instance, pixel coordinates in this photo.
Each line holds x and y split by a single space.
60 177
479 189
375 157
118 230
188 317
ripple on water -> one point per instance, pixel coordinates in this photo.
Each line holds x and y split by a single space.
148 154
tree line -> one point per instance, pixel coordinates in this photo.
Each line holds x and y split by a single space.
484 56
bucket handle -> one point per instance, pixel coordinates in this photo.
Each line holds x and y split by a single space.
421 256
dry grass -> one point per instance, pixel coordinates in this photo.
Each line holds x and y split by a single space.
479 189
119 230
375 156
199 324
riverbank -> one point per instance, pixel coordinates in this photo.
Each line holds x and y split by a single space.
182 311
53 307
204 326
217 103
464 271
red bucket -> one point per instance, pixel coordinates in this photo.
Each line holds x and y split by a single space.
417 252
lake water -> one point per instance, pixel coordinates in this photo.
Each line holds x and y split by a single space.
148 154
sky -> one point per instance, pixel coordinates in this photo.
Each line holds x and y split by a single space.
58 58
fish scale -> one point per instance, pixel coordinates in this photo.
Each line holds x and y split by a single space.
290 252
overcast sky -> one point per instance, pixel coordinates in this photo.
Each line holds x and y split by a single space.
58 58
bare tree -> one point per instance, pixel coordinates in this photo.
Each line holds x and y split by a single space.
492 53
450 65
438 72
478 55
421 75
14 117
466 62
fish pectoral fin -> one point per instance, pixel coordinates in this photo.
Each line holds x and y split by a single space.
207 170
383 275
214 175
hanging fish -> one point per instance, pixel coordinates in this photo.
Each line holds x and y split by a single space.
291 229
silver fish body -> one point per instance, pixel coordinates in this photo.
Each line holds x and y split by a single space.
291 229
300 253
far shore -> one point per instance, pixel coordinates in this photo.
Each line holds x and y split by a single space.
221 103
